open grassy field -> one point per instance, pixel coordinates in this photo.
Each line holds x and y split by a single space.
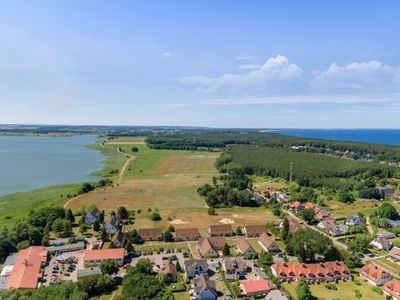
166 181
341 209
17 205
345 290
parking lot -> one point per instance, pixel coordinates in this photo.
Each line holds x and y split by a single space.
63 267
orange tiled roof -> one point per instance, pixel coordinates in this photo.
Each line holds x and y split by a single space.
295 204
26 271
255 286
373 272
103 254
326 269
309 205
392 287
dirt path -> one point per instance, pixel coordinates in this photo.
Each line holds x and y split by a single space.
371 232
126 164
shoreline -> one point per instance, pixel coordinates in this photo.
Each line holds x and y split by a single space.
14 206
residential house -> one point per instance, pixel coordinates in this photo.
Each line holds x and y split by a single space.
204 289
295 206
209 247
387 192
386 234
381 243
354 221
329 227
260 198
392 289
206 248
316 272
92 216
394 255
255 288
26 271
309 205
255 230
118 240
150 234
220 230
344 229
195 268
235 267
96 257
323 215
113 224
394 223
169 272
245 249
187 234
268 243
374 275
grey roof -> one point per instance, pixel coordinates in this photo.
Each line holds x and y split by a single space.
201 262
394 223
114 221
3 282
88 272
386 234
200 283
94 212
66 248
10 260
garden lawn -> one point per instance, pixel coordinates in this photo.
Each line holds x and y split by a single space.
345 290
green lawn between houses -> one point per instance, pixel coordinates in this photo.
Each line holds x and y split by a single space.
345 291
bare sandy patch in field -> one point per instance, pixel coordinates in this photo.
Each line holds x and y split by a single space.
178 222
226 221
237 217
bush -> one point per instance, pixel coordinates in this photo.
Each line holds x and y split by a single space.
331 286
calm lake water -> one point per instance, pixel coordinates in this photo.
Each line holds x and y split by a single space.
28 163
379 136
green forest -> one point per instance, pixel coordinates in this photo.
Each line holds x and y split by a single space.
215 140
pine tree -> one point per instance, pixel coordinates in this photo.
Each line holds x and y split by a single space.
70 216
103 234
226 250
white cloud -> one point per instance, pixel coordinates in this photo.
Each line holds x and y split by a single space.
274 70
166 54
372 76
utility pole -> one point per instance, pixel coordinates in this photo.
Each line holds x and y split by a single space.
291 172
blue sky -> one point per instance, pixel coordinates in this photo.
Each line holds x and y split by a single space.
301 64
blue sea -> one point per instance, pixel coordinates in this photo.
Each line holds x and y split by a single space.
29 162
378 136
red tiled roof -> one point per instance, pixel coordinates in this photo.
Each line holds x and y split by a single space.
392 287
26 271
221 229
309 205
255 229
373 272
187 233
296 269
103 254
150 233
255 286
295 204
